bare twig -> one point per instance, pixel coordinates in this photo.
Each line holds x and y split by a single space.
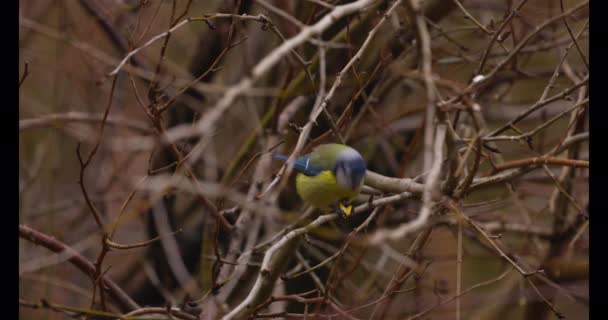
427 196
171 249
54 119
467 290
272 265
459 268
541 160
119 246
485 235
539 105
26 72
497 33
526 39
86 266
578 47
159 310
280 13
207 124
470 17
536 130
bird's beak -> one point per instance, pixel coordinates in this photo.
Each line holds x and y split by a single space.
346 210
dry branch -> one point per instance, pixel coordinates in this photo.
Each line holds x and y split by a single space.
86 266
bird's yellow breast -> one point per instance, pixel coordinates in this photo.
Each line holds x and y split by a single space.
322 190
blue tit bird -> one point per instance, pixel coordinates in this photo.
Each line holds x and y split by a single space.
329 177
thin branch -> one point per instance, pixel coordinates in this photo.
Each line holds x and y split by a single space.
574 39
75 312
427 196
469 289
86 266
470 17
272 265
26 72
281 13
497 33
177 26
115 245
522 43
544 160
171 249
54 119
108 26
492 242
161 310
536 130
539 105
400 275
206 125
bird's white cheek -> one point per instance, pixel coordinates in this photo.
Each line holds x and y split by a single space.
342 179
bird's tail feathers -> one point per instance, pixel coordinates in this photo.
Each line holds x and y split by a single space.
281 157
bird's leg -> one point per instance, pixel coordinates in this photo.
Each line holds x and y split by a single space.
342 208
345 209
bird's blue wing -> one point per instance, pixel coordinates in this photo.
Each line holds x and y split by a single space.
302 164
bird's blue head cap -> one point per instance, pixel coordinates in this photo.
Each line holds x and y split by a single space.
349 169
